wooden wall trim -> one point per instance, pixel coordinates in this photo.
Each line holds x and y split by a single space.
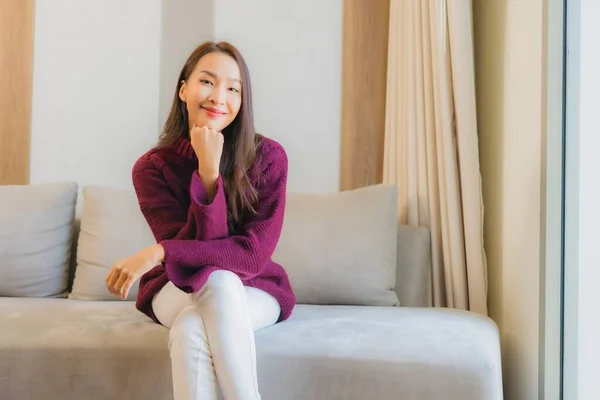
364 74
16 75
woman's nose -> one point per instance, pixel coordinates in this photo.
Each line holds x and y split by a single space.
217 96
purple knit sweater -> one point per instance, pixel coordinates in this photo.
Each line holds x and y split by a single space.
195 234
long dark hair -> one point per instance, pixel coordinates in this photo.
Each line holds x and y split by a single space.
241 140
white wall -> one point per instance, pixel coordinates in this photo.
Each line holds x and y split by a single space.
95 89
582 263
105 70
294 53
185 24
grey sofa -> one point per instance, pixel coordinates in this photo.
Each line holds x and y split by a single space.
69 348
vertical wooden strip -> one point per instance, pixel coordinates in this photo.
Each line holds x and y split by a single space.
364 72
16 75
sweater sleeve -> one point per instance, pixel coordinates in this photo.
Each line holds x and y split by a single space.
247 252
166 216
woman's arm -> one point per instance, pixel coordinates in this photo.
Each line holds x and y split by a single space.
205 219
245 253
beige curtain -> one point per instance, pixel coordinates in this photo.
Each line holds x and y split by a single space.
431 149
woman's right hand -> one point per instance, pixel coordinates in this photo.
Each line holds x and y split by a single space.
208 146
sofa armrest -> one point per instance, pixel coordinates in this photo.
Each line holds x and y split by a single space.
413 268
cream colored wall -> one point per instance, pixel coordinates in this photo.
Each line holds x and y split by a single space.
509 67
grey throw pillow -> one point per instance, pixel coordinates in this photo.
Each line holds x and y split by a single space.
36 231
341 248
112 227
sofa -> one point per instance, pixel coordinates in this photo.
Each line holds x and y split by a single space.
363 328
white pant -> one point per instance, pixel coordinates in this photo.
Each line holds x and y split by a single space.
212 336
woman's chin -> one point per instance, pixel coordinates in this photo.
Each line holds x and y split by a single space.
210 123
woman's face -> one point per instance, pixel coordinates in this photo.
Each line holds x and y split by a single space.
213 92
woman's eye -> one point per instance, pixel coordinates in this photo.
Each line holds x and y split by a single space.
234 90
205 81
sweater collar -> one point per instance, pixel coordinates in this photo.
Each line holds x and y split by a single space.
184 148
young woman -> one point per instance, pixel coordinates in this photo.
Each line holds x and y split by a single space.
213 193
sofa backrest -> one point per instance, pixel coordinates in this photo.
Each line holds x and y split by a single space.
337 248
340 248
413 265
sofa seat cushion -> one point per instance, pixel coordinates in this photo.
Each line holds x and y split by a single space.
69 349
353 352
73 349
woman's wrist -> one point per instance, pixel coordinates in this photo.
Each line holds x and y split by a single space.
209 181
157 252
208 177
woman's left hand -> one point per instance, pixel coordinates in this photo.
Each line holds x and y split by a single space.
125 272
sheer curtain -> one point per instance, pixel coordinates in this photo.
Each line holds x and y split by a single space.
431 147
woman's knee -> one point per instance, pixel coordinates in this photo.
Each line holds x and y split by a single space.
222 283
222 290
224 279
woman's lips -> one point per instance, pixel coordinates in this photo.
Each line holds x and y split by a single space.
213 112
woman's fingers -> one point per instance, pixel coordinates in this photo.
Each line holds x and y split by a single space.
126 287
125 272
115 275
109 275
119 283
111 283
